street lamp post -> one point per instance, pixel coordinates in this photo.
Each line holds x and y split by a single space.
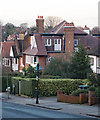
37 102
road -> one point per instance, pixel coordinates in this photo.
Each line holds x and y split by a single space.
12 110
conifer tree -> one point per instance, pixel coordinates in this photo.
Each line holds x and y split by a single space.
80 64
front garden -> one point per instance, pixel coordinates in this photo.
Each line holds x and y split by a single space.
58 75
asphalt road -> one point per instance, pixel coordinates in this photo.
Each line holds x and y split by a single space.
12 110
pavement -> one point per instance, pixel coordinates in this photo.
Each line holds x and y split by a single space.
51 103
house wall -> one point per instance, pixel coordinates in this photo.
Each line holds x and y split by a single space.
40 24
69 40
30 62
15 64
20 64
51 48
94 66
6 68
42 62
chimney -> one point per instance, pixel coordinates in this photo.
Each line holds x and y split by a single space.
69 38
40 24
86 29
21 35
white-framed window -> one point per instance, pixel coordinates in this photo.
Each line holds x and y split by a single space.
76 49
91 61
27 59
35 60
75 42
98 62
57 44
6 62
16 61
47 42
32 59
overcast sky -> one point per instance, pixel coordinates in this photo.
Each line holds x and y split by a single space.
81 12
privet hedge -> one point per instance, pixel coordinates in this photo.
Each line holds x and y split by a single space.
47 87
5 79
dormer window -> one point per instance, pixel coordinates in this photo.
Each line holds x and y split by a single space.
57 45
47 42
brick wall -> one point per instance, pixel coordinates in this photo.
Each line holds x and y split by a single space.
40 24
71 99
42 62
69 39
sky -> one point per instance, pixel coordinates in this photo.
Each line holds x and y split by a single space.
81 12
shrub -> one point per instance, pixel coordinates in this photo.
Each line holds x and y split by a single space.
5 80
27 85
29 72
97 91
47 87
93 79
78 91
80 64
57 67
50 77
91 88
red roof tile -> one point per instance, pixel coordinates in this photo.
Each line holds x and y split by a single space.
6 48
40 50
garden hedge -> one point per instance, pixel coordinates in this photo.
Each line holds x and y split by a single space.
4 80
47 87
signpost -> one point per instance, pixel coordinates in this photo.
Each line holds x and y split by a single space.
37 102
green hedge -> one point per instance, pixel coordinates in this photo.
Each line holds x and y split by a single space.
4 82
47 87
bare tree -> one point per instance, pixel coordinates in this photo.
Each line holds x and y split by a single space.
52 21
95 30
24 25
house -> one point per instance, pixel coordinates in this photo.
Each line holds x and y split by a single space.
5 50
40 47
60 40
94 55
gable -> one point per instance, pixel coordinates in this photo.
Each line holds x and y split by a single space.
33 42
11 52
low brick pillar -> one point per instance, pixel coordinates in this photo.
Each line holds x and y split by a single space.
83 98
91 97
59 95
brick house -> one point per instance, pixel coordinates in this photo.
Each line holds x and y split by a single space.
5 51
42 47
61 39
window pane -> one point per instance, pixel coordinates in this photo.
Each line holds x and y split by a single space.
91 61
55 41
58 41
45 41
75 42
34 59
49 41
16 60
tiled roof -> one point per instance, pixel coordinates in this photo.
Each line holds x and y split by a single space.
14 51
30 51
40 50
91 41
6 48
94 51
59 29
